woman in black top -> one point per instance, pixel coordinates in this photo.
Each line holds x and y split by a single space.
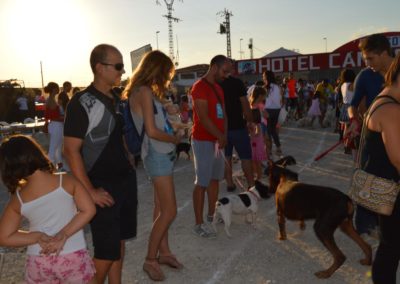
382 158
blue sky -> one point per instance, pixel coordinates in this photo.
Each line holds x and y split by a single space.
61 33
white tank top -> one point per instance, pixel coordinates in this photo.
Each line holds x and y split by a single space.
49 214
346 93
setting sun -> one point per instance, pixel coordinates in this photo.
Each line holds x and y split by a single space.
48 31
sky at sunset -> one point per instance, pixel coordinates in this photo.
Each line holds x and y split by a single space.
61 33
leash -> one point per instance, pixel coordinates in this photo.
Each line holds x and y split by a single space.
330 149
235 178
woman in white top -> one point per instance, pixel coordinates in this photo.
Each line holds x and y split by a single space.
147 92
56 206
273 104
347 77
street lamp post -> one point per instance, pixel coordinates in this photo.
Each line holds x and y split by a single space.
157 32
326 44
241 52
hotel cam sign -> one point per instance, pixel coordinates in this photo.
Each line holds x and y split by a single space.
347 56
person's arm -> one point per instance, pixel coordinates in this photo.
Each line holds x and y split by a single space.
359 99
201 108
72 153
390 131
246 109
86 211
145 99
10 222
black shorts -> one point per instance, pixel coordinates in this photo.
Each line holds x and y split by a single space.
113 224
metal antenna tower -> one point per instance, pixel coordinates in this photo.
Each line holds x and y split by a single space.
225 28
169 4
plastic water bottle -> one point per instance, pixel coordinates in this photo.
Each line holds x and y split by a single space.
36 120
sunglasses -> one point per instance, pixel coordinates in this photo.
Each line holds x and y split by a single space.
117 66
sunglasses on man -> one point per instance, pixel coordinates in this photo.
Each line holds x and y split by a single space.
117 66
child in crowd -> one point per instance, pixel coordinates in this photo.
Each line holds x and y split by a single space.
184 109
175 118
259 153
315 110
56 206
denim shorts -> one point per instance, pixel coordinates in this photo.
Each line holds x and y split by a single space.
207 165
159 164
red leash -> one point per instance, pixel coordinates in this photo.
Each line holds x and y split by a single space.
326 152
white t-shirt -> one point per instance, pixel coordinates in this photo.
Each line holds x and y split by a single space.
347 93
274 99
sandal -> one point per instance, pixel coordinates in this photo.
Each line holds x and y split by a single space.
170 260
154 272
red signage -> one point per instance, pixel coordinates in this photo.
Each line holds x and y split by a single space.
346 56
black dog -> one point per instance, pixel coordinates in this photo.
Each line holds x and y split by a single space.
328 206
183 147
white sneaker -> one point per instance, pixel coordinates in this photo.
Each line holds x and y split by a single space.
209 230
202 231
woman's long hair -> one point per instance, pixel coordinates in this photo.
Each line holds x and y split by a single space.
155 71
52 89
393 72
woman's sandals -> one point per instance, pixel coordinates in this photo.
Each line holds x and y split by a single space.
170 260
151 267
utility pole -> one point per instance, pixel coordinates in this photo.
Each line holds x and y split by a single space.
251 48
240 49
225 28
169 4
41 73
157 32
326 44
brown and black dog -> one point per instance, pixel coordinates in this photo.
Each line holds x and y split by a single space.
328 206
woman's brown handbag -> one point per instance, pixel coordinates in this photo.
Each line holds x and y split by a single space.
370 191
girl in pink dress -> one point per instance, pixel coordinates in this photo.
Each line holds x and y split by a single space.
315 110
259 153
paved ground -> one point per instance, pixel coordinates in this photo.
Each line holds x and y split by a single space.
252 255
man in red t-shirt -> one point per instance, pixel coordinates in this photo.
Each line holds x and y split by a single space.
291 85
208 140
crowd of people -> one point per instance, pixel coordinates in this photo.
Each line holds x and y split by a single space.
223 115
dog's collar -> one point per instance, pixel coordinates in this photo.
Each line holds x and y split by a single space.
257 197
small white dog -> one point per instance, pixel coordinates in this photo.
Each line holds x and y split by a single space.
244 203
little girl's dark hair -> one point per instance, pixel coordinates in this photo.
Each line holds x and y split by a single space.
20 157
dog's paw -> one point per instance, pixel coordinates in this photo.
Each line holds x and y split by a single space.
323 274
366 261
282 238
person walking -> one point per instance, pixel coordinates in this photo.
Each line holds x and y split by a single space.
55 122
273 104
96 153
208 140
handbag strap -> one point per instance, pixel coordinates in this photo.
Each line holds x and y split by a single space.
367 117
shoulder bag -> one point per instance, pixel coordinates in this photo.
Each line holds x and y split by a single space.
370 191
